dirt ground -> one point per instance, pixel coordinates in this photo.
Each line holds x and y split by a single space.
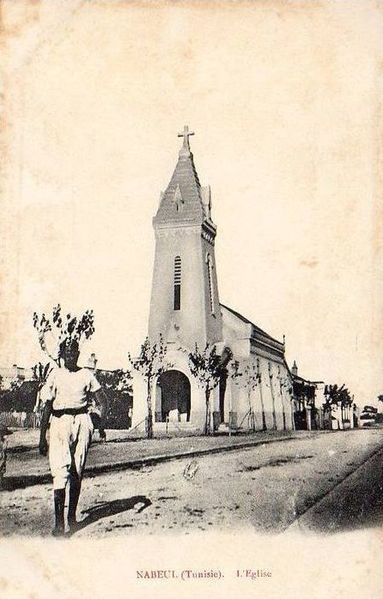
266 488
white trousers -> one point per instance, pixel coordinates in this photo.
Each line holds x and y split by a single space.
69 440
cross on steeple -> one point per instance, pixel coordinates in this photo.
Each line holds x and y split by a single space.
186 134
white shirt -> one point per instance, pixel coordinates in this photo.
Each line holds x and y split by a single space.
69 390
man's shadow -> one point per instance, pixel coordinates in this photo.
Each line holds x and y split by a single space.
111 508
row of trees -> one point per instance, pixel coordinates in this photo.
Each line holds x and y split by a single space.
206 365
337 397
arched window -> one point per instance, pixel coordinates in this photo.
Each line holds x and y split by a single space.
177 283
210 281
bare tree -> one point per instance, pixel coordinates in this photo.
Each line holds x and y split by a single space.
271 376
40 373
151 363
282 385
249 380
207 367
259 378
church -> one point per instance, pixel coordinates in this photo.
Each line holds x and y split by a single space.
185 310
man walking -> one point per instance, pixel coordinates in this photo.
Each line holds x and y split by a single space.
66 394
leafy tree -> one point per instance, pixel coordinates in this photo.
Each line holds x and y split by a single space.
63 329
117 385
207 367
115 380
151 363
15 384
337 396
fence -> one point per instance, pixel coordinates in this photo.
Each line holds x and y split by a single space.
20 419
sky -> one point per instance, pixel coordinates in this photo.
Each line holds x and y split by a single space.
285 99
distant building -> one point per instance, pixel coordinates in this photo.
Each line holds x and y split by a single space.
15 374
307 402
18 395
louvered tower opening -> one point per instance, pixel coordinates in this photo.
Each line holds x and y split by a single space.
177 283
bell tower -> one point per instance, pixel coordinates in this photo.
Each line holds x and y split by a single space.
184 305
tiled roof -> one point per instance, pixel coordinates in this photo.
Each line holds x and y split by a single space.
255 327
182 201
300 379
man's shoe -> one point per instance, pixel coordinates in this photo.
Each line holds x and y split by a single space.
74 526
58 532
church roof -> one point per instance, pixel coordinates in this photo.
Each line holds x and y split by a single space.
300 379
255 328
182 200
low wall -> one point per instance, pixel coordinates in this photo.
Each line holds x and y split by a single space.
20 419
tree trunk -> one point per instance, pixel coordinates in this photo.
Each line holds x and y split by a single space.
283 406
150 411
251 413
264 426
273 402
207 415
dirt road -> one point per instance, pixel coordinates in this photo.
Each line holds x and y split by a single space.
268 489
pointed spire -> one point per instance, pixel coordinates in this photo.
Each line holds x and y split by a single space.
181 201
185 149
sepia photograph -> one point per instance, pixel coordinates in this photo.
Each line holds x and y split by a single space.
191 355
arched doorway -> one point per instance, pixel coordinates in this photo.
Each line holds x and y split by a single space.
175 393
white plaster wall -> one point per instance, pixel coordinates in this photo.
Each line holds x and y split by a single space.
140 409
193 323
263 394
178 361
213 322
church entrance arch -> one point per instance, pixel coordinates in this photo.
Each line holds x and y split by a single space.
174 393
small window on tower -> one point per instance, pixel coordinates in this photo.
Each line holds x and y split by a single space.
210 282
177 283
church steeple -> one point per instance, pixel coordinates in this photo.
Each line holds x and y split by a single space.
185 305
184 200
